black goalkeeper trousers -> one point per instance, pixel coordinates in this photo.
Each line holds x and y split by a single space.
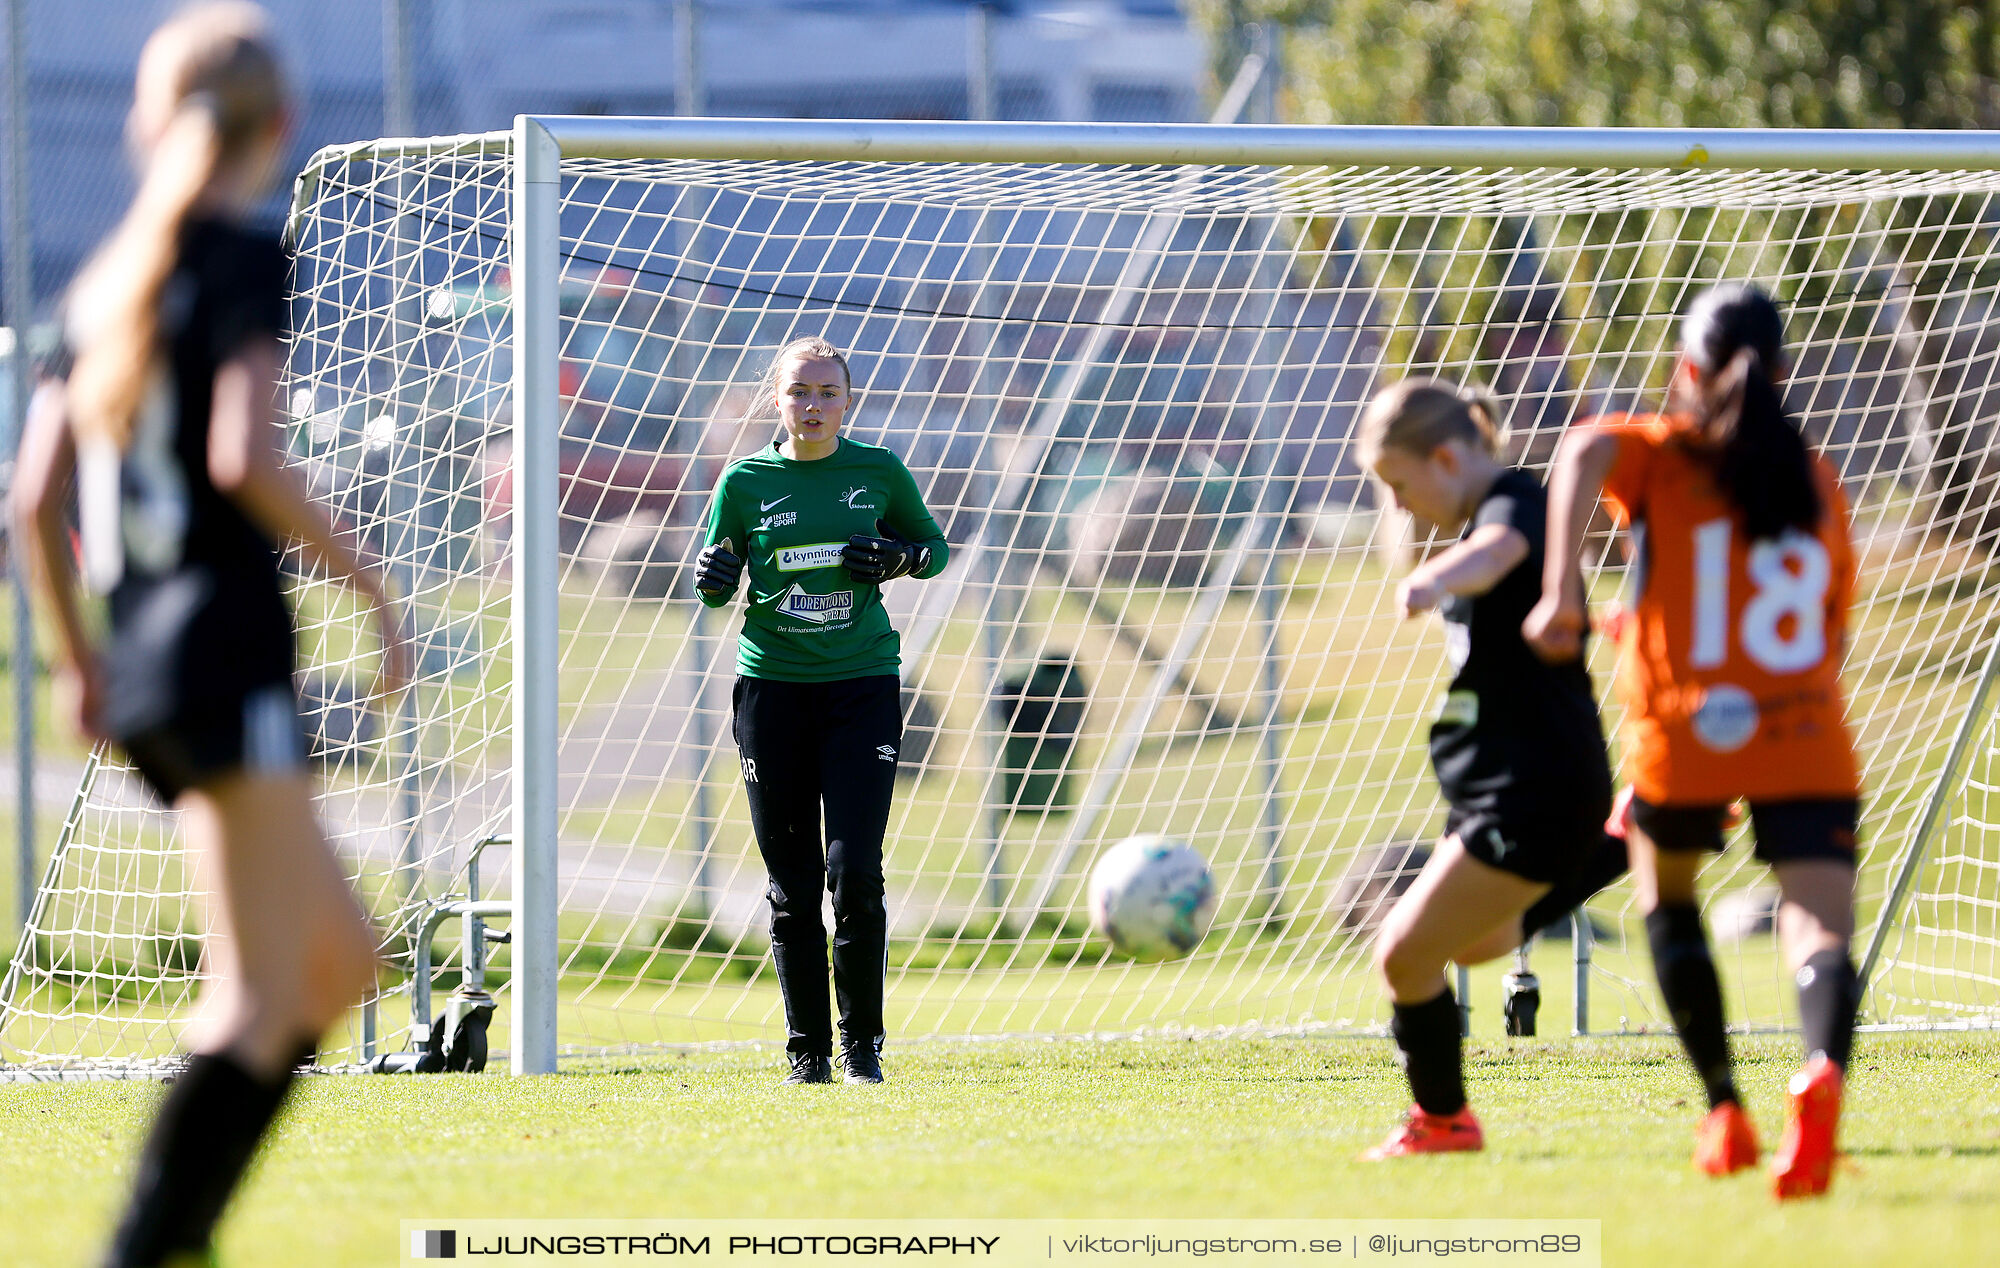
814 750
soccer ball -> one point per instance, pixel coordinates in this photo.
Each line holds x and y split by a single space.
1152 897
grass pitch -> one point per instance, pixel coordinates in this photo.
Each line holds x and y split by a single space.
1591 1129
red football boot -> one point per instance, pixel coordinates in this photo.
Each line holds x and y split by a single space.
1804 1162
1422 1133
1725 1142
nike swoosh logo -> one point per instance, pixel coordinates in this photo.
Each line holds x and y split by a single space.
765 506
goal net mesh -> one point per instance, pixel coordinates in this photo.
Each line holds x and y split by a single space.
1129 394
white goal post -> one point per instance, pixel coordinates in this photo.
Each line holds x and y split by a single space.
1124 362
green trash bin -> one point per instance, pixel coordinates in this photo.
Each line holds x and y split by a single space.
1042 714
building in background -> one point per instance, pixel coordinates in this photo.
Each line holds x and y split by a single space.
477 63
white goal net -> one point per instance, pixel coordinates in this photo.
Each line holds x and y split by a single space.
1128 390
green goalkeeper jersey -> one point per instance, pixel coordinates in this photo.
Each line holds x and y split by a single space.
809 619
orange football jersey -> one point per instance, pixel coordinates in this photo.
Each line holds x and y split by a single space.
1730 665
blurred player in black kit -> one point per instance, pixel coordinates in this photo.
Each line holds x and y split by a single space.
160 410
1516 743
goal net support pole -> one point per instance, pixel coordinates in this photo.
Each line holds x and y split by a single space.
537 402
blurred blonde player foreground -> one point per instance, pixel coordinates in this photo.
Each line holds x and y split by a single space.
160 408
1730 673
1516 744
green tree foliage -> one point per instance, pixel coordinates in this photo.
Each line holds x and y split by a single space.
1668 63
1891 286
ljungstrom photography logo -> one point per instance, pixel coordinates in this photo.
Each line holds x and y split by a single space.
434 1243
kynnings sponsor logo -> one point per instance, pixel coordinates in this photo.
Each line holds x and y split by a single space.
819 609
806 558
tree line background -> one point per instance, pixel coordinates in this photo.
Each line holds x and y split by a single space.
1615 63
1895 323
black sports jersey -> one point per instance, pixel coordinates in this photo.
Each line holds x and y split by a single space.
1513 734
227 289
197 611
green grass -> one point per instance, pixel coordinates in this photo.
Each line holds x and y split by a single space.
1162 1128
1593 1129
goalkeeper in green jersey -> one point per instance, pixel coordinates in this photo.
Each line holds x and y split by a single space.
819 522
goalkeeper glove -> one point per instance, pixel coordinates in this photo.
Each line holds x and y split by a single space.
717 569
879 559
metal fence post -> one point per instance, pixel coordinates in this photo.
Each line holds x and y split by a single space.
689 100
19 308
399 88
982 97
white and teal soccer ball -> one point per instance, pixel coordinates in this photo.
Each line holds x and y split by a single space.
1152 897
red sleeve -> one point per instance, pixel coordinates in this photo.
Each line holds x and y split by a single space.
1639 438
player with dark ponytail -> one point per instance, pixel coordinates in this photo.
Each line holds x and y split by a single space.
818 522
1734 336
1730 671
162 410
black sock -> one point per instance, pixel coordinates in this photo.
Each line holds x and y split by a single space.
1693 994
206 1131
1829 992
1427 1044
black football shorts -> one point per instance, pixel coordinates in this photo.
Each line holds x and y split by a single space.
1549 844
1813 828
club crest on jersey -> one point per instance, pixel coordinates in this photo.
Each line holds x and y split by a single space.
1458 708
1727 718
817 609
806 558
851 499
